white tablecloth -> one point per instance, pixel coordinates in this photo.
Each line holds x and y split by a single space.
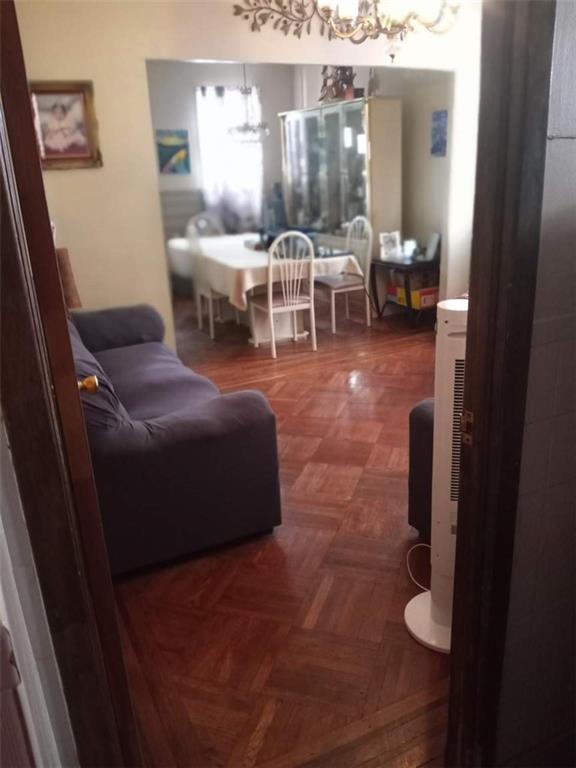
181 257
228 266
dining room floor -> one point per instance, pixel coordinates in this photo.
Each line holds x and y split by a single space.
290 649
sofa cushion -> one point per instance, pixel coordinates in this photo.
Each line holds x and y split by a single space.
151 381
102 409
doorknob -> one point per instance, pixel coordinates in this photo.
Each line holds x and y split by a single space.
89 384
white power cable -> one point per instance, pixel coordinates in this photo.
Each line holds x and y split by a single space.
421 586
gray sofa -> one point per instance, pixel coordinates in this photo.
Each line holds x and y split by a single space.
179 467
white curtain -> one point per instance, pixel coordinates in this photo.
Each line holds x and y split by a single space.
232 170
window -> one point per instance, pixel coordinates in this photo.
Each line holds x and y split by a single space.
232 170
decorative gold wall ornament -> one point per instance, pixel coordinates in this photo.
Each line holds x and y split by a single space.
354 20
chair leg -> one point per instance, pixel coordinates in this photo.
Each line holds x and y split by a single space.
347 301
313 328
211 315
333 310
253 324
272 335
199 309
237 316
368 312
294 327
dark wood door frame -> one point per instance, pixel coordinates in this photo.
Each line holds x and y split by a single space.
45 427
517 39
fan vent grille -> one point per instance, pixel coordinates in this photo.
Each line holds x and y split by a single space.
457 407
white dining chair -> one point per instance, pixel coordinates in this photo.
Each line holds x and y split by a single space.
206 224
359 242
290 284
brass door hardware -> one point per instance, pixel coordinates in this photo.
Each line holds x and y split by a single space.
89 384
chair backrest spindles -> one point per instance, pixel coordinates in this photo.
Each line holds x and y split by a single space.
291 264
359 239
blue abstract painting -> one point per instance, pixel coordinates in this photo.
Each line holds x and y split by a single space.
439 133
173 151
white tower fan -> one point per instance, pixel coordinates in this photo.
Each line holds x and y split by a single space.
428 616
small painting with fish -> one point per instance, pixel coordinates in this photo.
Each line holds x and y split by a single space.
173 151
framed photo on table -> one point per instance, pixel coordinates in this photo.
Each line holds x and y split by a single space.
390 246
65 122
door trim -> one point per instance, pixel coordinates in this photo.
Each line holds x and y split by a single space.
45 427
517 40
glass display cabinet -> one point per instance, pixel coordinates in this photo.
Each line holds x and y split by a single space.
343 159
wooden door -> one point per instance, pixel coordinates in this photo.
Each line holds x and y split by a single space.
517 39
45 426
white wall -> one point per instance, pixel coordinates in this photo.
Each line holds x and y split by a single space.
172 87
110 217
22 612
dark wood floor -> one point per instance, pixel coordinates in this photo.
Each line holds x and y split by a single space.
290 650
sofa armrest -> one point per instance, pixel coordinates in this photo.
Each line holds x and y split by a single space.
189 480
118 327
175 436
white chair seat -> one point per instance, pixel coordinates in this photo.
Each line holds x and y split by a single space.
340 282
261 302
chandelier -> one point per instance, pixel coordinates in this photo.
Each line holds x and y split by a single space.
252 129
354 20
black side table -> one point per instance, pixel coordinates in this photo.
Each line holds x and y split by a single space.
408 268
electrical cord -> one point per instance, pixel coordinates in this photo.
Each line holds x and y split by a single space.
370 297
366 290
421 586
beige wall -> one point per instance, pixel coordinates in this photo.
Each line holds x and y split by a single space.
427 178
110 217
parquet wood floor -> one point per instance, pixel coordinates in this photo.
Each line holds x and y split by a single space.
289 650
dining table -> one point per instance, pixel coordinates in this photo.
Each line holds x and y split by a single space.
232 265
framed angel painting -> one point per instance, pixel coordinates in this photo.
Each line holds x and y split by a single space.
65 123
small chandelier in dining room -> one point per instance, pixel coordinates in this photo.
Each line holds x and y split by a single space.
354 20
253 129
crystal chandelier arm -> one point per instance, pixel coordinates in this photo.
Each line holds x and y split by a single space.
392 26
446 16
349 31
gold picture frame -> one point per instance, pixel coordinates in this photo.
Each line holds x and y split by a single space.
66 125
